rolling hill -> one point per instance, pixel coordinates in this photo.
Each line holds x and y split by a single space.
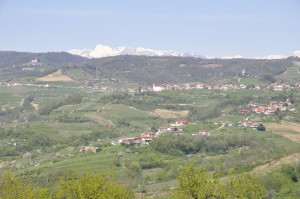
143 70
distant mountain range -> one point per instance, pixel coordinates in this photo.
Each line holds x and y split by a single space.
101 51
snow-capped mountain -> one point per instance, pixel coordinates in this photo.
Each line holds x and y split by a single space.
272 57
106 51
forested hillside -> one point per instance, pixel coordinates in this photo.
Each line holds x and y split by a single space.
147 70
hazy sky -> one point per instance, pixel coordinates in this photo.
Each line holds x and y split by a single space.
216 28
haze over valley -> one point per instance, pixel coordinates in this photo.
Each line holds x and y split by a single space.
149 99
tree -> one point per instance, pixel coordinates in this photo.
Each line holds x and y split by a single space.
289 171
261 127
196 183
244 186
86 186
12 187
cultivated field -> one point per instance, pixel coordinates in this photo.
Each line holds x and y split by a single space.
168 114
102 121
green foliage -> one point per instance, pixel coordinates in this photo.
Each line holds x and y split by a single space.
88 186
196 183
115 97
148 162
26 140
282 182
268 78
27 103
184 144
290 172
71 99
12 187
68 118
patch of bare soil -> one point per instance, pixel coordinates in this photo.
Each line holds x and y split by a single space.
102 121
36 106
171 114
283 127
57 76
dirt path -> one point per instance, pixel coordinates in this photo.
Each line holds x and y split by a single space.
83 107
106 105
223 125
22 102
102 121
148 112
276 163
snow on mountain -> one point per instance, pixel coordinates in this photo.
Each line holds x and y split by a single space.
83 53
296 53
232 57
272 57
106 51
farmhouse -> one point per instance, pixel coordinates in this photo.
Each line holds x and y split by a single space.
158 88
181 121
163 129
243 111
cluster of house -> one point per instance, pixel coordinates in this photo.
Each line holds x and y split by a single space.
269 109
14 84
275 86
175 128
147 137
247 124
89 149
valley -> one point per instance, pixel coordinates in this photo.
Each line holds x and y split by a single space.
145 134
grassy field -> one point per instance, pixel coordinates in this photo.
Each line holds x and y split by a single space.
12 96
77 74
291 74
253 81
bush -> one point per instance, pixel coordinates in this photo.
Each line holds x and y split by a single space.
12 187
98 185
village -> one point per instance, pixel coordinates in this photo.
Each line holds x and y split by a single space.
177 129
191 86
102 86
268 109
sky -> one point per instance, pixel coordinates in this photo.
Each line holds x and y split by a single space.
216 28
